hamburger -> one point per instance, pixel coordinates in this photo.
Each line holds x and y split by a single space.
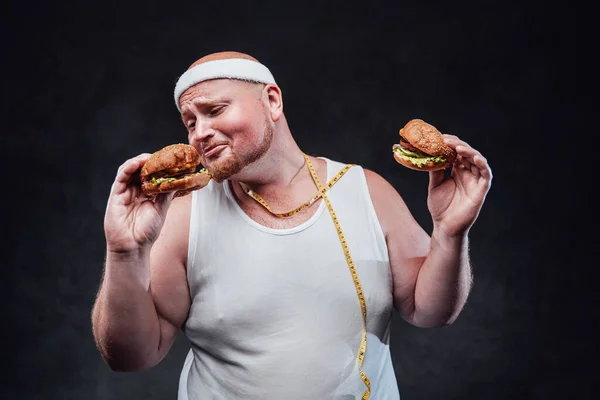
173 169
422 147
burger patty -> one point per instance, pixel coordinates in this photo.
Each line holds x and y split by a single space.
174 172
156 181
404 143
410 150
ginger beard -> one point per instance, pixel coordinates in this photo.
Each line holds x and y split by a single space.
225 167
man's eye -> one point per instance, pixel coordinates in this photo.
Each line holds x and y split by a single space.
215 110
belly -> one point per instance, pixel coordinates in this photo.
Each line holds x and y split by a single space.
293 323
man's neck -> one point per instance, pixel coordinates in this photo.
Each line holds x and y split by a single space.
290 191
274 172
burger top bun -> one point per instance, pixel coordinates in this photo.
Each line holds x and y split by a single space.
176 156
427 138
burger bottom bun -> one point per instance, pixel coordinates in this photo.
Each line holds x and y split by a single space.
431 166
181 186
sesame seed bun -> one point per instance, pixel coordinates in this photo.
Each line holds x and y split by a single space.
422 147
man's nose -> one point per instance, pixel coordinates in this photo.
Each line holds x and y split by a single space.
201 132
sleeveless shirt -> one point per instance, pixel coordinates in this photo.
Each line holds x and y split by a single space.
274 312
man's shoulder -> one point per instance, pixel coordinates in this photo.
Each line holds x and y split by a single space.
373 178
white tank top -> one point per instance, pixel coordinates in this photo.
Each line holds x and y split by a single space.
275 314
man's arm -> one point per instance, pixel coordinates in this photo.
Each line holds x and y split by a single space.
431 275
144 298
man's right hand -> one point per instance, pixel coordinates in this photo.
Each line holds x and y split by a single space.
133 221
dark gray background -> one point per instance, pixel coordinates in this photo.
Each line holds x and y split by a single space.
87 86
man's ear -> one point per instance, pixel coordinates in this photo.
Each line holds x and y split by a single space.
275 101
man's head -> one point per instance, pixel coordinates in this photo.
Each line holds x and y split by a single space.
229 103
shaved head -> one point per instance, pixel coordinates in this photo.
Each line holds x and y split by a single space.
222 55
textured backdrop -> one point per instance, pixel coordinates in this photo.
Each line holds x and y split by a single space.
88 86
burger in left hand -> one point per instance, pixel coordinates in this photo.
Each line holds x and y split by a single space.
422 147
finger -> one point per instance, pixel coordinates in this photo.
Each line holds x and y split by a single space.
460 146
163 201
451 140
466 151
450 137
475 158
467 164
462 161
126 170
475 170
479 160
461 166
483 166
139 156
130 166
435 178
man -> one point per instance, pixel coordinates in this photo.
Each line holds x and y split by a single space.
281 296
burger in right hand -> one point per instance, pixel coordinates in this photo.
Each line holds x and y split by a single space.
173 169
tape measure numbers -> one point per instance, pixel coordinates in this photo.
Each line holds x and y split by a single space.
322 193
361 297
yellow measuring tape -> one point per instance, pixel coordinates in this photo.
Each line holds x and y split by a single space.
361 297
316 197
322 192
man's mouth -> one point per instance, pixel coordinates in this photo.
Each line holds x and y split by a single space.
213 150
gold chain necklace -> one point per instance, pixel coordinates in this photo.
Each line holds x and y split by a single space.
310 201
359 291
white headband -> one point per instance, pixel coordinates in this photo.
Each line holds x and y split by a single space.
232 68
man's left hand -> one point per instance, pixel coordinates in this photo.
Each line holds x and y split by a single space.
455 201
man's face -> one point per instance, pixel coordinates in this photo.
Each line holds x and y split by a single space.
228 123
